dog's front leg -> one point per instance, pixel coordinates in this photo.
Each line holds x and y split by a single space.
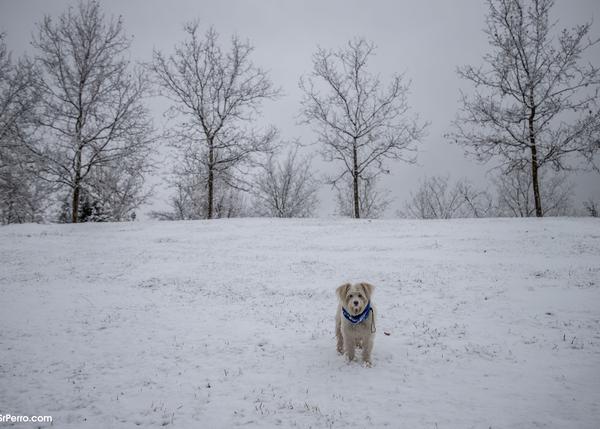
338 336
366 353
349 346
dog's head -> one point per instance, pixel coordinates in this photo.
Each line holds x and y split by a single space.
354 298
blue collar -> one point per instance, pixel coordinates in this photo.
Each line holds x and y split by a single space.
359 317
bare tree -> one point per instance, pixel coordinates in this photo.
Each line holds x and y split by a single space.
216 94
536 101
91 113
17 97
189 201
435 199
476 202
119 189
23 197
516 197
230 202
180 203
286 189
372 203
187 204
438 198
360 123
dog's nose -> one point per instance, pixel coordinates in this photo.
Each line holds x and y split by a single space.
355 302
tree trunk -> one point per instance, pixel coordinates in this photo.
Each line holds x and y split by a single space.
534 164
76 188
209 210
355 182
9 218
534 178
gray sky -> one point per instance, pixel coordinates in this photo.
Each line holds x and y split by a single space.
427 39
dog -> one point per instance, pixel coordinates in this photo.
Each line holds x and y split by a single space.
355 320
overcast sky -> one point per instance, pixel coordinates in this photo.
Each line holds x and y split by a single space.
426 39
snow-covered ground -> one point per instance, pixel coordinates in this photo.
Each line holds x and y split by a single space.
492 323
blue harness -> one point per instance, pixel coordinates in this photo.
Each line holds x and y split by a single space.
359 317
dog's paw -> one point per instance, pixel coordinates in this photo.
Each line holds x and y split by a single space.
368 364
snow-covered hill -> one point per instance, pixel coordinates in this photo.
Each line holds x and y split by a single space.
492 323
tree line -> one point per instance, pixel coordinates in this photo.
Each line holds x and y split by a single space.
77 137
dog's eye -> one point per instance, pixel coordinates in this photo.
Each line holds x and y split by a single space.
350 296
360 295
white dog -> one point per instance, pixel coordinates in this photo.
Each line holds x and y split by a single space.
355 320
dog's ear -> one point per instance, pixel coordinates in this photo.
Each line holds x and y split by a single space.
342 291
368 289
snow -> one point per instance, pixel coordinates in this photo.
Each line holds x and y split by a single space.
225 323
